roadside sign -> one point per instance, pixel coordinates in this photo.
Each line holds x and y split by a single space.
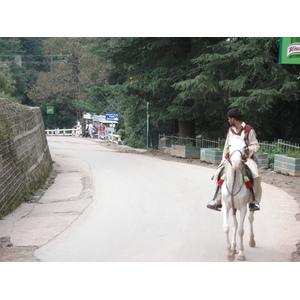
289 50
99 118
50 110
87 116
112 117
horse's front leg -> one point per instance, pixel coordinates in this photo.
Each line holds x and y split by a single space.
230 252
235 225
241 255
251 219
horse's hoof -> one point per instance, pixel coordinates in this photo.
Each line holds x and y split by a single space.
241 257
233 249
231 256
252 243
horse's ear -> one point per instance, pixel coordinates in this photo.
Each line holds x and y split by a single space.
243 135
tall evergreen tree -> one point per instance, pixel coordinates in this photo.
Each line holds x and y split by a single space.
146 70
244 73
23 71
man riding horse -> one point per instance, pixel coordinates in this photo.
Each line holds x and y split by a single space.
237 127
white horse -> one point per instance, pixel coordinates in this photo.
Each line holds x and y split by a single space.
236 196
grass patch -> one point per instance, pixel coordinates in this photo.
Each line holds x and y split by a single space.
294 154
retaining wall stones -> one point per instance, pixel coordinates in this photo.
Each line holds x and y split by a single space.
25 160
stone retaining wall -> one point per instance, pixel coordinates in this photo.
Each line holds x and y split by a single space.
25 160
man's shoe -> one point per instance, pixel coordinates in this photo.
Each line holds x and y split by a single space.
213 205
253 206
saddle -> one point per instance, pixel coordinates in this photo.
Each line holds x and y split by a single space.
248 172
222 172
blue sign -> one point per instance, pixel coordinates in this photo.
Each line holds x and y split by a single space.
112 117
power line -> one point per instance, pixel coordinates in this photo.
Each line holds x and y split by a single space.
99 91
90 92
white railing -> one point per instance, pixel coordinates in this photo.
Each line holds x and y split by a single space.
199 141
279 146
113 138
57 131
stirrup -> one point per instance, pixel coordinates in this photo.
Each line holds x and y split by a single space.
254 205
214 205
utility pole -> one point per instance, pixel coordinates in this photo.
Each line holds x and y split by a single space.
18 58
148 125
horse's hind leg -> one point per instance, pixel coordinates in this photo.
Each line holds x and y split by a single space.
251 219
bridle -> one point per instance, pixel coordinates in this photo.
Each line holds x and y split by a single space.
232 153
233 184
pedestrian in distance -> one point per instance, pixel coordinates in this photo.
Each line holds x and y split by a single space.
91 130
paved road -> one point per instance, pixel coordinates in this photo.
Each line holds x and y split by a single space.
139 208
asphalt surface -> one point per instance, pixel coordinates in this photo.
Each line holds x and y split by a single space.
107 206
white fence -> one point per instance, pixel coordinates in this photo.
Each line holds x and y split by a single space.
113 138
279 146
57 131
199 141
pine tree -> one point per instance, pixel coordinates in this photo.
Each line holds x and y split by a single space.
244 73
147 70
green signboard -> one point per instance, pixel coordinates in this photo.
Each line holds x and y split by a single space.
289 52
50 110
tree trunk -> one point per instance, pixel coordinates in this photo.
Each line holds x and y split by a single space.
187 129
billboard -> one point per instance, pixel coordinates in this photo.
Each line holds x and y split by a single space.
289 50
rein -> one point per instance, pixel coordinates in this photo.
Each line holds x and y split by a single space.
233 184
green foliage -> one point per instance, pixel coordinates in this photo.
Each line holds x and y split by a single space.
122 133
294 154
20 79
8 46
7 83
192 80
244 73
275 149
147 70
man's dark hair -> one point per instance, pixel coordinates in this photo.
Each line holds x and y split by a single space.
235 113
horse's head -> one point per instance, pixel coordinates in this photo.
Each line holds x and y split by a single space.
236 151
